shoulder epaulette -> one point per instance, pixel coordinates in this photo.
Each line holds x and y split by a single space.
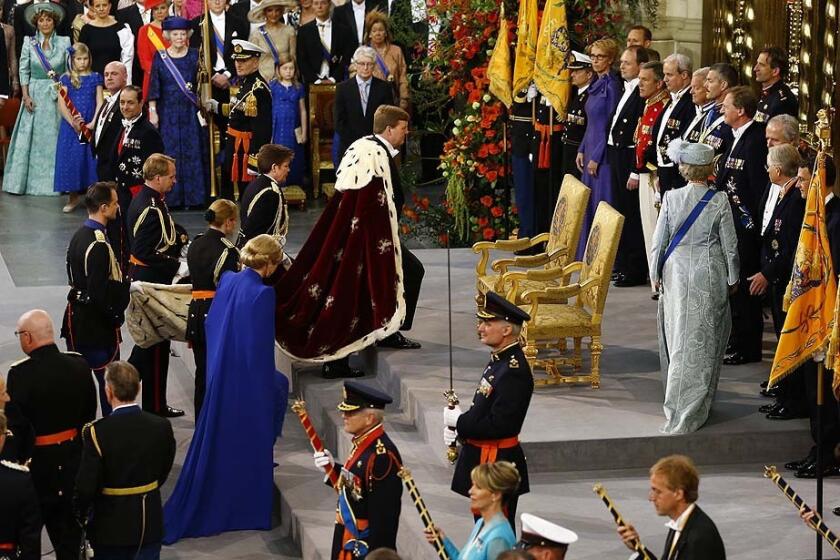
99 235
14 466
17 363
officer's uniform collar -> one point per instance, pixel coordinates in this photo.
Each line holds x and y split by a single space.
93 224
358 440
496 356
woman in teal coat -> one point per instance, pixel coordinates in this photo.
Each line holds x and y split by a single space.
492 485
30 164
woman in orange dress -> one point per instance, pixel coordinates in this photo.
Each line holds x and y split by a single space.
145 49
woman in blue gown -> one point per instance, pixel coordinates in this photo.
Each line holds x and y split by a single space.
604 94
176 116
227 480
288 112
75 166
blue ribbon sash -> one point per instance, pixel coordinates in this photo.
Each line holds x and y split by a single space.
349 521
173 70
382 66
271 46
683 229
42 58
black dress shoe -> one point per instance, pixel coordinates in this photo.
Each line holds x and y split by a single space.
796 465
654 296
771 393
340 370
763 384
629 282
738 359
170 412
615 276
810 471
399 342
836 511
769 407
783 413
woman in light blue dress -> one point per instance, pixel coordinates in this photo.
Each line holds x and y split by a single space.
30 165
492 485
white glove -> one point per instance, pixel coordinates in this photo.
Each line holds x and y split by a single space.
323 459
212 106
450 416
449 435
183 270
532 92
135 288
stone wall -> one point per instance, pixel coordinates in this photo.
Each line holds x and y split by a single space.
679 28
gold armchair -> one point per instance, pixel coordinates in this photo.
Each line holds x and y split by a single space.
561 242
553 319
321 130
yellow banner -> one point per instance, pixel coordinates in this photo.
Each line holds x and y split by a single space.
812 292
498 69
551 76
526 45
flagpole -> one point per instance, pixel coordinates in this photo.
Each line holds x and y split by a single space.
819 357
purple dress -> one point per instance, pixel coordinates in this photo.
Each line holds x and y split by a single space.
285 116
603 99
75 166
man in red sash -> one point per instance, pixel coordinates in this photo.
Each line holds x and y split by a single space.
369 489
489 430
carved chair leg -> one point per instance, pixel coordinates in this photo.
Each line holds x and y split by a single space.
577 358
595 348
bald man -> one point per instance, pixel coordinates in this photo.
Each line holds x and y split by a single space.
55 391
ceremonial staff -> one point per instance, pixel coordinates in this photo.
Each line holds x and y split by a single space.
405 475
60 89
299 408
643 552
205 79
450 396
817 524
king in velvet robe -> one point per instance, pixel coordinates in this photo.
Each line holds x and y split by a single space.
345 289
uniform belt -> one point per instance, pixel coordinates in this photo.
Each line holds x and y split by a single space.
490 447
131 491
203 294
7 546
134 260
239 167
55 439
517 118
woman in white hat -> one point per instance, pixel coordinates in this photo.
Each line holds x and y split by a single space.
31 170
694 263
274 36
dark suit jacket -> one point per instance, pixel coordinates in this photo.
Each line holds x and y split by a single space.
131 16
240 10
678 121
779 240
699 540
132 448
310 51
344 14
625 127
103 150
20 519
235 28
350 123
264 214
832 225
142 141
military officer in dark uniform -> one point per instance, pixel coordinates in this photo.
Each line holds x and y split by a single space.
20 437
700 99
249 119
674 120
720 79
209 256
20 520
55 391
575 123
152 239
631 261
137 141
547 149
522 137
126 459
98 295
742 175
263 205
489 430
770 71
369 487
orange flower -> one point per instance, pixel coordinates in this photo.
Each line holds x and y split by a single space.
489 233
497 211
424 203
486 200
405 229
492 176
483 221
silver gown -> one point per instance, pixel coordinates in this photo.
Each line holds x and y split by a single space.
693 319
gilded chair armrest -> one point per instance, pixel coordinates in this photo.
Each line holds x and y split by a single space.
530 261
590 282
572 267
484 247
553 294
539 238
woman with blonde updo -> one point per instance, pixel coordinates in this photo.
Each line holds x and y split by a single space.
227 480
209 255
493 484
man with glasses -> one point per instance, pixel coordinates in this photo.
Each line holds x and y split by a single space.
674 489
357 99
98 295
489 430
56 393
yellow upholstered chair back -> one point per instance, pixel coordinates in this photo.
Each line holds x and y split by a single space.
599 257
568 217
